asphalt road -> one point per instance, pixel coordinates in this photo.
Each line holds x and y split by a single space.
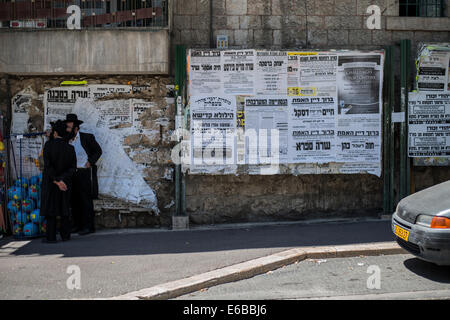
118 263
401 277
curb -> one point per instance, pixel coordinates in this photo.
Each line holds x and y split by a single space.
255 267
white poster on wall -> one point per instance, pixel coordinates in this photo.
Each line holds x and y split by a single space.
205 72
238 72
271 72
58 102
429 124
359 80
266 129
312 129
213 134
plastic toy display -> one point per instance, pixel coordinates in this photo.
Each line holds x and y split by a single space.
24 207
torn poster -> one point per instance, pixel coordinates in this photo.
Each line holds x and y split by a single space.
25 150
118 175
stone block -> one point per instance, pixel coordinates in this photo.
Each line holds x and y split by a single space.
218 7
203 7
317 37
277 38
281 7
400 35
186 37
182 22
271 22
242 37
320 7
250 22
381 37
236 7
233 22
258 7
360 37
345 8
293 22
200 22
180 222
293 37
220 22
343 22
186 7
199 38
316 22
262 38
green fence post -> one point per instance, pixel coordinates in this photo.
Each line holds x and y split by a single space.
405 48
180 75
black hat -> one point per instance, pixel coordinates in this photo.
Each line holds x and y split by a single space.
60 127
71 117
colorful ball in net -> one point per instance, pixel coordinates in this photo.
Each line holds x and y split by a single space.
27 205
13 206
21 182
35 216
30 229
33 191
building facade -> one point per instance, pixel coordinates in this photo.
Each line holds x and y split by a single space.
132 43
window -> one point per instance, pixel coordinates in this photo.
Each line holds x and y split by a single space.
422 8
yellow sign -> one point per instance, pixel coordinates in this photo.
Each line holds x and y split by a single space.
302 92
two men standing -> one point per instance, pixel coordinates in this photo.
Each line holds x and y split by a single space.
85 183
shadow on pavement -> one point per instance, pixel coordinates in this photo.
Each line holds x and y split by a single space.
428 270
212 240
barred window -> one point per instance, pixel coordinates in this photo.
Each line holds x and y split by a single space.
422 8
94 13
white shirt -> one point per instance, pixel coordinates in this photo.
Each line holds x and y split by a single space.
82 156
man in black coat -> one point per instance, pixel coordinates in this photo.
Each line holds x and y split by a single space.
85 182
60 163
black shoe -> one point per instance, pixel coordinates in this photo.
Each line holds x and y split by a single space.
48 241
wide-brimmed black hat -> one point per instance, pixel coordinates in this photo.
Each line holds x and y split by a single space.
72 117
60 127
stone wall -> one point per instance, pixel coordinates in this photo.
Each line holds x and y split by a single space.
282 24
111 213
298 24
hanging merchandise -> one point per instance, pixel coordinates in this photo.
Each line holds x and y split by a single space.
23 196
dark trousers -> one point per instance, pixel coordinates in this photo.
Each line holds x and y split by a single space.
81 199
64 228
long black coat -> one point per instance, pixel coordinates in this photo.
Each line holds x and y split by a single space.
93 151
60 163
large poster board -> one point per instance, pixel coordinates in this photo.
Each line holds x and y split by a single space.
324 107
429 107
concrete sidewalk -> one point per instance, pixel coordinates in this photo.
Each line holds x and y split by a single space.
114 263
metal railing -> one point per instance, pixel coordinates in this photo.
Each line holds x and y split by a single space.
94 13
